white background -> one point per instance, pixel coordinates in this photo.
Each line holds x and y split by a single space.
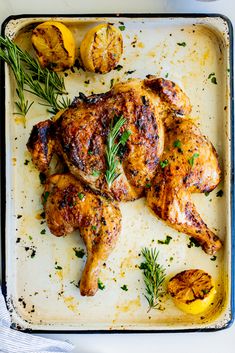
217 342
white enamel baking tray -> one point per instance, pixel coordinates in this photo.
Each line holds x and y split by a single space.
41 298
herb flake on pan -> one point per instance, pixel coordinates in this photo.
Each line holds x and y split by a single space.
212 77
193 242
154 276
57 267
182 44
45 197
122 28
80 253
124 287
118 67
213 258
81 196
219 193
129 72
43 231
101 286
166 241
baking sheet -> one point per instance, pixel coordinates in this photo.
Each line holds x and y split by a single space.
43 298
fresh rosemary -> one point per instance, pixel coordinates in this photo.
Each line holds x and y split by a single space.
112 149
45 84
154 276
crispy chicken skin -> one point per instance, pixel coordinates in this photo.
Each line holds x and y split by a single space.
70 205
191 166
79 135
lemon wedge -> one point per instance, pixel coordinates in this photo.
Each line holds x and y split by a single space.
193 291
54 45
101 48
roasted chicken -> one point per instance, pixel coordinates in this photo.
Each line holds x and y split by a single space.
70 205
188 165
156 113
79 135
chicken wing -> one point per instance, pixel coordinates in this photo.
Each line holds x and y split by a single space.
189 164
69 205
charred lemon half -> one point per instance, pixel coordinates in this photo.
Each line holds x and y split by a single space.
54 45
193 291
101 48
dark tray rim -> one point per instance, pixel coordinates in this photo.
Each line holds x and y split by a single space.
3 161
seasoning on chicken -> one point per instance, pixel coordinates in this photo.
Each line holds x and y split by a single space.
188 165
69 205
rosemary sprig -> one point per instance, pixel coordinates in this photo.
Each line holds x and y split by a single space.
154 276
112 149
34 67
11 57
30 77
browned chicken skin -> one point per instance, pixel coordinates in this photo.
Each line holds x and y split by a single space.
79 137
189 164
69 206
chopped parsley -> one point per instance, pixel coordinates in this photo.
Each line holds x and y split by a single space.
191 160
93 227
87 82
166 241
164 163
79 253
122 28
148 185
111 82
205 291
96 173
193 242
130 72
219 193
81 195
90 152
212 78
118 67
166 75
26 162
30 238
213 258
124 287
177 143
182 44
101 286
43 231
206 193
57 267
45 197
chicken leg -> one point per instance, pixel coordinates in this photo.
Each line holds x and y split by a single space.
69 205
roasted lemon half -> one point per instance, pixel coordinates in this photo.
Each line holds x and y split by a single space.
101 48
193 291
54 45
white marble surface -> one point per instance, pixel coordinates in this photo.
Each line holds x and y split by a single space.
216 342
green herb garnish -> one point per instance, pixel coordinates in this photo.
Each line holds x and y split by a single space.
164 163
57 267
93 227
177 143
191 160
100 284
219 193
182 44
154 276
118 67
193 242
45 197
79 253
122 28
112 149
213 258
43 231
124 287
166 241
81 195
96 173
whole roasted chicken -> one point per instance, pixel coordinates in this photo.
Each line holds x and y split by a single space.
155 113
